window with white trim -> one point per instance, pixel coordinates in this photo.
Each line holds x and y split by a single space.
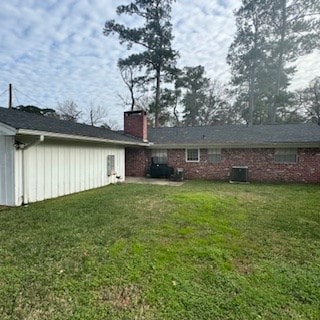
192 155
214 155
159 156
286 155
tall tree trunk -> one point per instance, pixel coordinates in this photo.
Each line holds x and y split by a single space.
157 102
253 76
275 103
251 96
175 112
133 101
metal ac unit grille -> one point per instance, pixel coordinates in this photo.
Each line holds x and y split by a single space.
239 174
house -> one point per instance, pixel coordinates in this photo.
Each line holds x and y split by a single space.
265 153
42 157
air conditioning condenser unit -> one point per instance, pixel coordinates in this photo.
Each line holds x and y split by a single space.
239 174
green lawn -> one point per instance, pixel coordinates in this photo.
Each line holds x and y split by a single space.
205 250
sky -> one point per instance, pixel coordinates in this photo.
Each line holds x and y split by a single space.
54 50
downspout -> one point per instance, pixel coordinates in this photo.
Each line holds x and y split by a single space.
22 176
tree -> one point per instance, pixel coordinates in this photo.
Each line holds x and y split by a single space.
69 110
96 115
247 54
110 124
157 57
171 99
216 108
270 35
295 32
202 101
165 103
134 85
309 100
194 84
33 109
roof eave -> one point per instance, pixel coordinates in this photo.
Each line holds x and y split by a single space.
7 130
79 138
248 145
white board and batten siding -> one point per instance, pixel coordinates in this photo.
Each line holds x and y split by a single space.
7 193
55 168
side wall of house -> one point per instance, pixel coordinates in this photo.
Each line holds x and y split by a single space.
260 162
7 170
57 168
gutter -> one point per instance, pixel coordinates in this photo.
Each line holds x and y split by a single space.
236 145
79 138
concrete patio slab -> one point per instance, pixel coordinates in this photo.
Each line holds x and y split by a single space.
161 182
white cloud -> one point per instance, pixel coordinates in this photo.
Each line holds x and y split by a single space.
308 68
203 33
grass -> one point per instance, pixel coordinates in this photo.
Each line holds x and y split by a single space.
201 251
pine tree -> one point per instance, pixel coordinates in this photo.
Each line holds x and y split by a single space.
295 31
247 54
194 83
157 58
270 35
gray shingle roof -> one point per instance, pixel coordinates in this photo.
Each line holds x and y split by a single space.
236 135
241 135
24 120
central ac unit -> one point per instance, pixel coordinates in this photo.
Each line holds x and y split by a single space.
239 174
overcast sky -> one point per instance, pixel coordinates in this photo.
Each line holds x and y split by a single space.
54 50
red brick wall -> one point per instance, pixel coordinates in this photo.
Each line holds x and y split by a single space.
260 163
135 124
136 162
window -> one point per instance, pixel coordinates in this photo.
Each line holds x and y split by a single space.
110 165
286 156
192 155
214 155
159 156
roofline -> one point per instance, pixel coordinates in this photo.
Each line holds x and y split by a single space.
7 130
78 138
237 145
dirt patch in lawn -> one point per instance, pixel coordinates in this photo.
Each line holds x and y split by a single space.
128 298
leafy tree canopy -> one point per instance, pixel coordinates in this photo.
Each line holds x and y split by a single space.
33 109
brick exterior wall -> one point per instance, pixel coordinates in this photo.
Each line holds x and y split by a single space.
137 162
260 163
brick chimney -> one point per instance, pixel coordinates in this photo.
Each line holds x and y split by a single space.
135 124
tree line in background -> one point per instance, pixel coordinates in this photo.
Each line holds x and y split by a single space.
68 110
271 35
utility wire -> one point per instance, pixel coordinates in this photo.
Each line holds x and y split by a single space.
15 95
37 102
4 92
